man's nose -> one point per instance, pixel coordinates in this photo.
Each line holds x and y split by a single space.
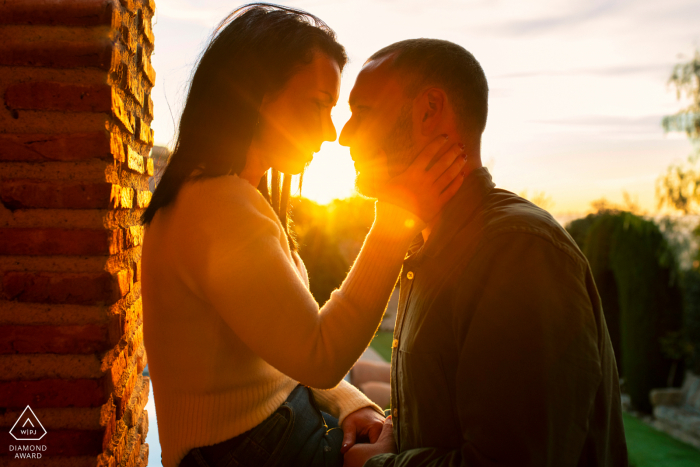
346 134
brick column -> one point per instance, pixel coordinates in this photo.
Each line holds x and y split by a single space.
75 81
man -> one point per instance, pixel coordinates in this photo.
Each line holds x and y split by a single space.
501 354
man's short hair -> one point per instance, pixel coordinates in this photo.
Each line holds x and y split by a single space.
444 64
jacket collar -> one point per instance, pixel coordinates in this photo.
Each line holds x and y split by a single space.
456 213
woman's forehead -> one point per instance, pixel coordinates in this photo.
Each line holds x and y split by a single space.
321 74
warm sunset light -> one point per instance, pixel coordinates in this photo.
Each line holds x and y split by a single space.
577 89
494 258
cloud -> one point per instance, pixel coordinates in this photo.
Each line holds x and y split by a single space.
571 17
654 69
578 14
608 123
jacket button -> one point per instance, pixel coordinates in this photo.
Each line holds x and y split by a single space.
395 343
395 413
409 275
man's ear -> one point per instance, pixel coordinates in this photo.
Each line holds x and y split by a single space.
432 107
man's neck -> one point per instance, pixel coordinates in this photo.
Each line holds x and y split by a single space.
469 167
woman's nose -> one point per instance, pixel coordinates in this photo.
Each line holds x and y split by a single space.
329 132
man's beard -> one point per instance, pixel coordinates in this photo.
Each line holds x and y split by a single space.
398 146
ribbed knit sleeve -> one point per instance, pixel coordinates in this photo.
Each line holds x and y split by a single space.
343 400
247 275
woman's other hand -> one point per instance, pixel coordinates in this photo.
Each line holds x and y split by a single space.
365 423
361 453
429 182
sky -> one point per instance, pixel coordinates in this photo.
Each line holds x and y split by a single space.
577 88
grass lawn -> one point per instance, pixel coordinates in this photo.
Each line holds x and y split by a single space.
382 344
647 447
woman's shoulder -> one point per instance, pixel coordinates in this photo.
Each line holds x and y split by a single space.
224 207
226 194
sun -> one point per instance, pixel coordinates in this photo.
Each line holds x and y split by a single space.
331 175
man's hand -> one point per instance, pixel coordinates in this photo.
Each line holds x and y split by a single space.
361 453
363 422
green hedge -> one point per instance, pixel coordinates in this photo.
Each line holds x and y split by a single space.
637 280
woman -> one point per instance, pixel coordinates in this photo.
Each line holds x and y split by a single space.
230 327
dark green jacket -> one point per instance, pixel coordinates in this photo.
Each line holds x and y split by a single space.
501 352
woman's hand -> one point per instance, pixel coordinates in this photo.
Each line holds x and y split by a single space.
423 189
365 422
361 453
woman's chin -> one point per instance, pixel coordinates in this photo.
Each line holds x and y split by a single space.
293 167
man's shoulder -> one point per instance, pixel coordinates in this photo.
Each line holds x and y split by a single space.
505 214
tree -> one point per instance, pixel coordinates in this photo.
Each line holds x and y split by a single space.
679 187
636 276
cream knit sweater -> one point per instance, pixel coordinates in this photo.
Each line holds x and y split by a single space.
230 326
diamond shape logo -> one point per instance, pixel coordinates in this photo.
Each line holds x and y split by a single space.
28 427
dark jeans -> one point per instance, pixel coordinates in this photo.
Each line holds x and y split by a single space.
296 434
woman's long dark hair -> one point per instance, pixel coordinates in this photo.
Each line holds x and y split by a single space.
253 52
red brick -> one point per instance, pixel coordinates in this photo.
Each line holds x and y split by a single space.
74 442
117 145
110 428
136 346
132 317
128 39
53 13
128 4
118 444
77 339
134 236
61 147
49 287
151 5
124 197
116 369
125 280
134 450
137 269
144 453
49 194
141 362
59 96
133 85
120 112
134 161
144 132
106 459
137 402
149 107
53 393
148 32
147 68
58 54
143 422
49 241
144 197
124 391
